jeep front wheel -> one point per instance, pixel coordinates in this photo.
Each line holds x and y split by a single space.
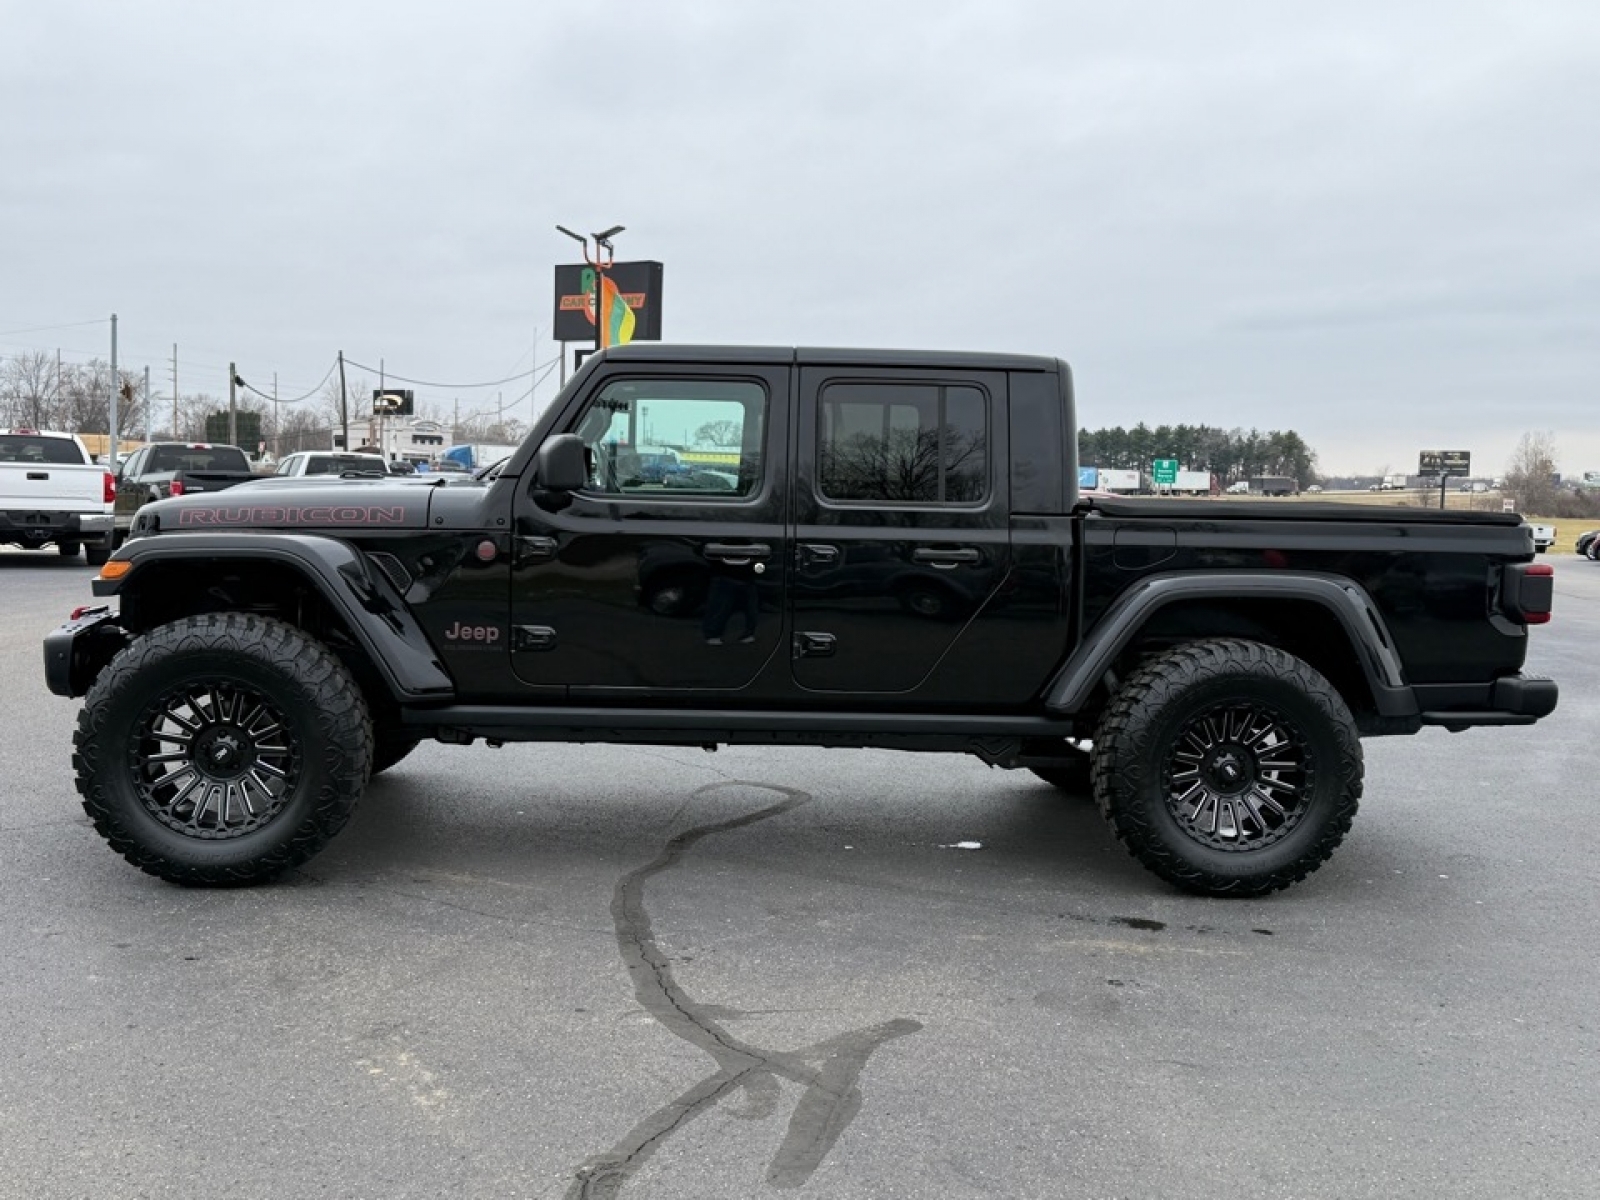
222 749
1228 768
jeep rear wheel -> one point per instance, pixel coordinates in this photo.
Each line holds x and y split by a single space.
1228 768
222 749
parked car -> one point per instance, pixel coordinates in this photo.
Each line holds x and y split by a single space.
162 470
52 490
1588 544
330 462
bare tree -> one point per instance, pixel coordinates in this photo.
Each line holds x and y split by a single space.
28 385
1531 473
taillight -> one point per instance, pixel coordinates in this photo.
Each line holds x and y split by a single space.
1527 592
175 488
108 492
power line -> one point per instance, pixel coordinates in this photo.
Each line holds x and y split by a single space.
333 366
48 328
388 375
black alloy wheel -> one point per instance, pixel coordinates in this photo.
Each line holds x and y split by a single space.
1238 777
214 760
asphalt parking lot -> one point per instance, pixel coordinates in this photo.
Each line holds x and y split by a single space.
572 972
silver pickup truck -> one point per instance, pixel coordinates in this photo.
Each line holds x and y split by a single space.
52 490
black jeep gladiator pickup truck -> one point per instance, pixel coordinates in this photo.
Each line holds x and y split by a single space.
879 549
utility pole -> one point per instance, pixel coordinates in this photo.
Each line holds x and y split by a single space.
277 430
233 404
174 391
344 403
111 440
147 404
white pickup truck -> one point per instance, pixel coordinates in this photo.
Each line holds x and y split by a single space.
52 490
1544 536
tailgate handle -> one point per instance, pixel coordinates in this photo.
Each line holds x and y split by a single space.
38 474
945 559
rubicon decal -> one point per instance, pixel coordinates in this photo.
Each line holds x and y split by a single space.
321 514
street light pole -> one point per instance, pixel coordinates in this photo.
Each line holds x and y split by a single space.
605 254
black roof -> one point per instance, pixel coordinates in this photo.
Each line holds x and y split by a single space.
829 356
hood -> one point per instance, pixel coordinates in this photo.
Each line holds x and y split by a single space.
316 502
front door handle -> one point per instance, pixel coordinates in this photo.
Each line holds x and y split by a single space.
737 554
945 559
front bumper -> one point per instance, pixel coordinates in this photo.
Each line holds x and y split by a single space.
76 652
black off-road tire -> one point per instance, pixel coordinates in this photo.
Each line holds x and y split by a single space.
97 556
68 549
1228 768
389 746
222 750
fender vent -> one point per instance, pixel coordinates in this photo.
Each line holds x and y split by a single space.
394 569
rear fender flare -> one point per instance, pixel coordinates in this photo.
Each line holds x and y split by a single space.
1349 603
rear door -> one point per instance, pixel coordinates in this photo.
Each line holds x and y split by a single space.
901 537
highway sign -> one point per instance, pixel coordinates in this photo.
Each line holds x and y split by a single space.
1164 471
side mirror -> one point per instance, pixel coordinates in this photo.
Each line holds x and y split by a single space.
561 463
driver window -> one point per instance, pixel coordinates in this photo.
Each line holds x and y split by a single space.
675 438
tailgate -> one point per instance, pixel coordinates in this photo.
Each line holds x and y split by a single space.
78 487
211 481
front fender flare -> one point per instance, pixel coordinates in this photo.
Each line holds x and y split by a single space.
374 611
1349 603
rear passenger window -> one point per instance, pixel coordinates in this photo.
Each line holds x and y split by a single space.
903 443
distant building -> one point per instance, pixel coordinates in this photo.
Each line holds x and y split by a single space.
415 441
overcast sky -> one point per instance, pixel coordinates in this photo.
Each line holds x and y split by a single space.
1374 223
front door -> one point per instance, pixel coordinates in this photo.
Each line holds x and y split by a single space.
902 538
665 572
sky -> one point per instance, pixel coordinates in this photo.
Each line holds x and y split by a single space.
1372 223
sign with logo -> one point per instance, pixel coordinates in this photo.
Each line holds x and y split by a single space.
392 402
638 285
1444 462
1088 477
1164 471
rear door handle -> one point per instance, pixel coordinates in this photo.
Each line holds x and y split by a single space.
945 559
737 553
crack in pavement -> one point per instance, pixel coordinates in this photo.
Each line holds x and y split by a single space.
828 1070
